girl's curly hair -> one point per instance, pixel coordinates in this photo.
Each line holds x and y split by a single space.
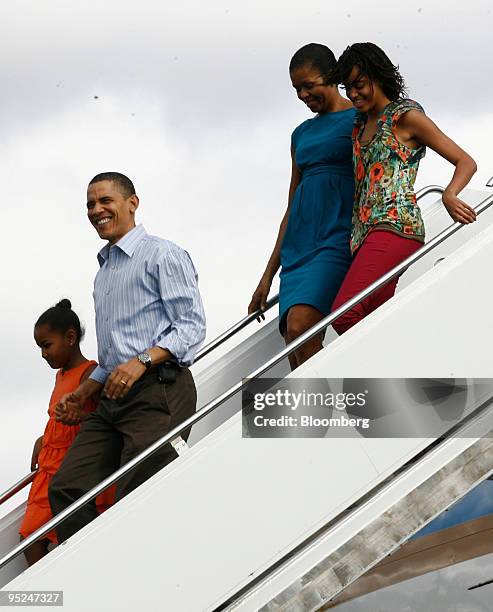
375 64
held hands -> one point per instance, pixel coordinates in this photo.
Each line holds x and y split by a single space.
70 409
259 297
35 455
457 209
123 377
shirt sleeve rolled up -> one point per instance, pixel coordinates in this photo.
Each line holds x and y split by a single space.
178 284
99 374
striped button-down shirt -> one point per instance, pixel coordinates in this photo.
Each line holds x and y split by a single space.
145 295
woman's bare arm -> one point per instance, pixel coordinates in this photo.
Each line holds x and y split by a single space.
261 293
414 125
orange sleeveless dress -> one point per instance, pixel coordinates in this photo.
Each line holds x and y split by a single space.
57 439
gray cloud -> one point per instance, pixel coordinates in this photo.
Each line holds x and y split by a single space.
217 65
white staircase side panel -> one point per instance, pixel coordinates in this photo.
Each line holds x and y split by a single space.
9 539
322 560
226 509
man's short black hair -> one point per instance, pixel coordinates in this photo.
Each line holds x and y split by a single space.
123 183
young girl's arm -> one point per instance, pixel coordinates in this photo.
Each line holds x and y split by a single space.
35 455
415 126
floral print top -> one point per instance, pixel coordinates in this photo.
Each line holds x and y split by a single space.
385 171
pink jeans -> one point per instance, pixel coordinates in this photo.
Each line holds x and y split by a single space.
380 252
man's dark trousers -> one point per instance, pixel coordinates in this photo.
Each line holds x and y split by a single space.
112 435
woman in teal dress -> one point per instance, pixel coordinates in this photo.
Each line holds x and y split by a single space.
312 246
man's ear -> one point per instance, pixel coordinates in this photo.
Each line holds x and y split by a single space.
134 203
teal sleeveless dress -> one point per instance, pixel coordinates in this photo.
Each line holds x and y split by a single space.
315 253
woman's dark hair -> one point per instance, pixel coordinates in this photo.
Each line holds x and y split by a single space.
375 64
317 55
61 318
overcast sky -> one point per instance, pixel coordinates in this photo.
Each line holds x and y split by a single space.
192 100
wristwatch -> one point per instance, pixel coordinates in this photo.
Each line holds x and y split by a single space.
145 360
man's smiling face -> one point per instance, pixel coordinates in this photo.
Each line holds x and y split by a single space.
109 211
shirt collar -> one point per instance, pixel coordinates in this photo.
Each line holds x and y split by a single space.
127 244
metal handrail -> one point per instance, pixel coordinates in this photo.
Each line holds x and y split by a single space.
234 329
229 333
212 405
18 486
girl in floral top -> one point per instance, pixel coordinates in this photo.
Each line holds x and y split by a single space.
390 136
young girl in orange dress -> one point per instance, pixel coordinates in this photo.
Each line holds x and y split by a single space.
390 137
58 333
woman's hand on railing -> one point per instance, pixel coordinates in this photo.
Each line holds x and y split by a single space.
457 209
35 455
259 297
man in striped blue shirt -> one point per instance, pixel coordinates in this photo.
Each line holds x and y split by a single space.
149 325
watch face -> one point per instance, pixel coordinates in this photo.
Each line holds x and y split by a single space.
145 359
